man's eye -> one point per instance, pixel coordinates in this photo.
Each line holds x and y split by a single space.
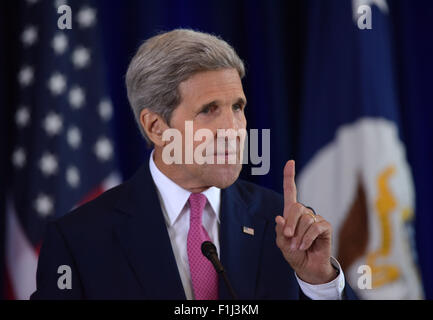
208 109
237 107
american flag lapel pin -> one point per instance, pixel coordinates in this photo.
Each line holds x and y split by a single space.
249 231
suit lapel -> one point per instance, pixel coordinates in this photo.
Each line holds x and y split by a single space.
240 252
144 238
142 234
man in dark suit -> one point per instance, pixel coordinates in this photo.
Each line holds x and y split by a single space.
142 239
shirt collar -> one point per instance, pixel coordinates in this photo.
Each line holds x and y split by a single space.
174 197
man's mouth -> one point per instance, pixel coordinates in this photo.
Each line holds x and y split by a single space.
227 153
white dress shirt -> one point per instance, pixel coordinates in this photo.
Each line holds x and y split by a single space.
176 211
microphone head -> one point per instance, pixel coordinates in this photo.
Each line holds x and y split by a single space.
208 249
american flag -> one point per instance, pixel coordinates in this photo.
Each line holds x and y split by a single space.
63 151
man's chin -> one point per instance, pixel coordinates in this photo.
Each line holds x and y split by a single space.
223 176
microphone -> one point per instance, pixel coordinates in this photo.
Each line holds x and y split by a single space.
210 252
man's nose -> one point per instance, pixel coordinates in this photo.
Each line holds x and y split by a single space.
228 120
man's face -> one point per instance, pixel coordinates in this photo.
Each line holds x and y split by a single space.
210 100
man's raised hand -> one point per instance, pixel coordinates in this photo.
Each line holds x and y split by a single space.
303 238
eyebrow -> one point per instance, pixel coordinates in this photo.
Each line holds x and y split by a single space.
241 101
216 102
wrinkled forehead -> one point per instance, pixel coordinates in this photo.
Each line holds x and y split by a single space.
222 86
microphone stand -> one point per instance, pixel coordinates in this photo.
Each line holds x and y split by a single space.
228 284
209 251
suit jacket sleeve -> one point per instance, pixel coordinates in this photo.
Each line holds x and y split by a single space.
55 253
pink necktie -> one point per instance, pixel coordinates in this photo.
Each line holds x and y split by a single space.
203 275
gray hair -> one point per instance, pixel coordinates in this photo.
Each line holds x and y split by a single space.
167 59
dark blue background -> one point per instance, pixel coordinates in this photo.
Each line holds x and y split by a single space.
270 37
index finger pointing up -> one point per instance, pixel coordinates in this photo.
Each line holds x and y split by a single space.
289 184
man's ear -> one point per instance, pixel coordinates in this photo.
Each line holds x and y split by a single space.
154 125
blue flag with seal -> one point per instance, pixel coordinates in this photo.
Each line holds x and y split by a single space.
353 165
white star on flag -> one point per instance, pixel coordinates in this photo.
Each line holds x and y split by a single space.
103 149
74 137
105 109
19 158
29 36
73 176
44 205
48 164
22 117
57 84
25 76
76 97
59 43
86 17
81 57
53 124
59 3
